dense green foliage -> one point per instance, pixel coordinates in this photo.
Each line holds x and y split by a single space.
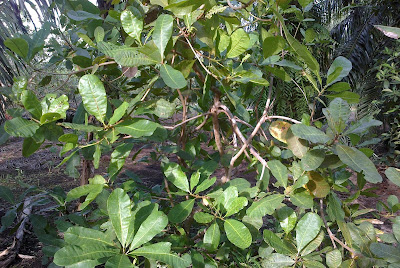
206 83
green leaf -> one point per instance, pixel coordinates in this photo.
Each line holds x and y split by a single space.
93 96
163 32
362 125
164 108
392 32
119 210
181 211
19 127
287 219
334 258
212 237
235 206
313 159
131 57
309 133
307 229
317 185
118 157
83 190
358 161
274 241
3 135
119 261
152 226
79 236
31 103
204 185
335 210
194 180
49 117
276 260
70 255
279 171
296 145
6 194
339 87
305 3
99 34
337 114
69 138
161 252
314 244
386 252
272 45
266 205
137 127
172 78
237 233
339 69
81 15
132 24
302 199
30 146
239 43
202 217
18 45
349 97
81 127
174 174
393 174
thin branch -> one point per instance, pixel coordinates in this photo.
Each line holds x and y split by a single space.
283 118
185 121
331 235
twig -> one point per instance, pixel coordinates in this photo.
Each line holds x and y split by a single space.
331 235
168 192
283 118
185 121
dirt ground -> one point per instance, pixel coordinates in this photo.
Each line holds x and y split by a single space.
39 170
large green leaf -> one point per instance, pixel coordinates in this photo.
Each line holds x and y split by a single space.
93 95
239 43
314 244
279 171
307 229
334 258
172 78
339 69
266 205
79 236
88 189
393 174
309 133
6 194
125 56
212 237
70 255
3 135
119 261
19 127
387 252
236 205
163 32
137 127
174 174
152 226
18 45
237 233
358 161
119 210
274 241
30 146
181 211
31 103
302 199
118 113
132 24
118 157
287 218
272 45
161 252
313 159
276 260
362 125
296 145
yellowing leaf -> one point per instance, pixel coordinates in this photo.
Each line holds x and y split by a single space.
317 185
278 130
